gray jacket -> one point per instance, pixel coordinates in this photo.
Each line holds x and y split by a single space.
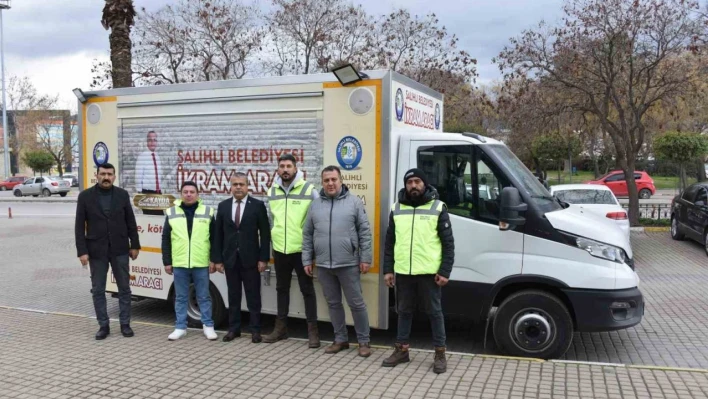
336 232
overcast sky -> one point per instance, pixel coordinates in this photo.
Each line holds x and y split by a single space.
54 42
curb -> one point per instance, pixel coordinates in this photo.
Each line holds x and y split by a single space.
40 200
462 354
651 229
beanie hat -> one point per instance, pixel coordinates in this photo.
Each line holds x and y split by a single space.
415 172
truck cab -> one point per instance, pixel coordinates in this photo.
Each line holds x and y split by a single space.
546 269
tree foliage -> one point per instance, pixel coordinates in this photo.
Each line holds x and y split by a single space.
554 148
681 148
119 17
38 160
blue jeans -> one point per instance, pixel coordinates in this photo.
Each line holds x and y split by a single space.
183 276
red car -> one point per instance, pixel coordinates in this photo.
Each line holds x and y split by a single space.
11 182
616 182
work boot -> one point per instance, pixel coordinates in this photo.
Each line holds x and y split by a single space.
313 335
400 355
103 333
280 332
336 347
364 349
440 362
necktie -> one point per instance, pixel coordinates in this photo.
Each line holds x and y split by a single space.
237 216
157 178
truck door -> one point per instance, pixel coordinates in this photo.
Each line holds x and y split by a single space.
470 185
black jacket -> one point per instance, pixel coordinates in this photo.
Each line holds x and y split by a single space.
444 232
251 240
167 233
95 232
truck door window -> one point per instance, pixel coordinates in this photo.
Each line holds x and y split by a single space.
490 185
449 171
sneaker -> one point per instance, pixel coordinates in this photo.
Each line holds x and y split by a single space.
177 334
209 333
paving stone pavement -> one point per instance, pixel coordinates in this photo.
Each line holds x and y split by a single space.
55 356
40 271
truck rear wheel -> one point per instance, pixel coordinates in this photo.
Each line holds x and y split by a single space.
533 323
218 309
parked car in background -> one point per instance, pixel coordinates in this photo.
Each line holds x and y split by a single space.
42 185
689 214
11 182
618 184
595 199
74 179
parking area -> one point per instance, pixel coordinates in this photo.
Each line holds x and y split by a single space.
40 271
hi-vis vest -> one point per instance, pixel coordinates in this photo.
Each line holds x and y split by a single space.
289 212
418 249
194 252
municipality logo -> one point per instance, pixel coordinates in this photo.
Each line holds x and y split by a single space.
437 116
100 153
399 104
349 152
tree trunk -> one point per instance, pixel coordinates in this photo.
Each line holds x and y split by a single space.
628 169
701 175
121 57
559 172
682 177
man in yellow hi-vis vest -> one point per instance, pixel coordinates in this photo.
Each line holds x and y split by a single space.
289 198
420 249
187 238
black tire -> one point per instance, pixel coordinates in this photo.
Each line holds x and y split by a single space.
35 195
62 194
546 316
218 309
17 193
644 194
676 229
705 241
46 193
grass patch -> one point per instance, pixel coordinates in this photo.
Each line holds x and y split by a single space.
654 222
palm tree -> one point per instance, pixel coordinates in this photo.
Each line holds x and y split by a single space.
119 17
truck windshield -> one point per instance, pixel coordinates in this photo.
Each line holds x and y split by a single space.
528 182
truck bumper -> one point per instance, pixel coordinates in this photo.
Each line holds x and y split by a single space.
600 310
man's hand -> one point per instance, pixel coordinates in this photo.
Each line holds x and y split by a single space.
84 260
168 269
388 279
134 254
308 270
440 280
220 268
364 267
261 266
212 267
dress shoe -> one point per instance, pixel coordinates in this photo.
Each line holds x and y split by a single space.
230 336
336 347
126 330
256 338
103 333
364 349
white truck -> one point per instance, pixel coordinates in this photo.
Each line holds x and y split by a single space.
543 270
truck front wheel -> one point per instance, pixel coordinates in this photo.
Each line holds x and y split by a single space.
533 323
218 309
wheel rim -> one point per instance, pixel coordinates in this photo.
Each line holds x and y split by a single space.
532 330
18 193
643 194
45 193
193 305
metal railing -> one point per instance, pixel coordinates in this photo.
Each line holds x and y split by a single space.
652 211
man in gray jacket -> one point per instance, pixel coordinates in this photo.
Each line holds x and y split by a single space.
337 235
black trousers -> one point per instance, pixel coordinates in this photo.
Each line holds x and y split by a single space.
99 274
248 276
284 266
151 211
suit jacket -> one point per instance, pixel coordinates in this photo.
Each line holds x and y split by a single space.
251 241
95 232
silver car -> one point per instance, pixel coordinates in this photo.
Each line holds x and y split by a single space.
42 185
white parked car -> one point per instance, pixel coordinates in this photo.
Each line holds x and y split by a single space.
42 185
595 199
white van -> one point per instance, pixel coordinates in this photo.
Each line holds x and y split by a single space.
548 271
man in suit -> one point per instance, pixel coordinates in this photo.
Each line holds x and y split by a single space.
242 249
106 233
148 169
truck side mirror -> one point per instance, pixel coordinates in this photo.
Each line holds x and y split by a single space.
511 205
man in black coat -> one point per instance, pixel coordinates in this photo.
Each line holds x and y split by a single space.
242 250
106 233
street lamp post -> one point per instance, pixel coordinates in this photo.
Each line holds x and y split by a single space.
4 5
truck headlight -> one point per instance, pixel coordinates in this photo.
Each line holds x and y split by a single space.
597 249
600 250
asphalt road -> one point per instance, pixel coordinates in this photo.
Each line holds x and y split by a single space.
37 209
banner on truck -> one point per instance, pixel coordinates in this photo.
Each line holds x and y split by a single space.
414 109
